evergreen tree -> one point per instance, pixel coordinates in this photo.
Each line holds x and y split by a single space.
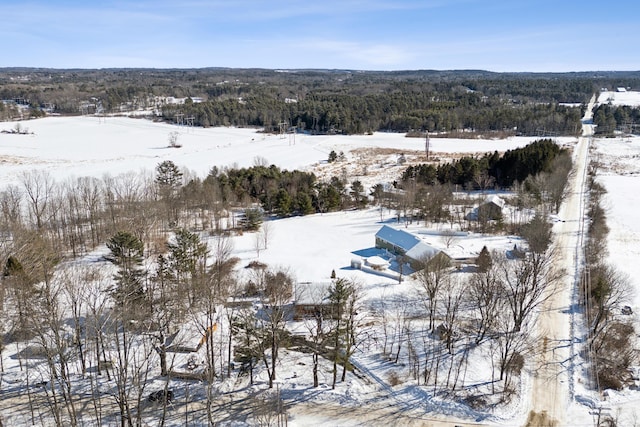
304 204
169 180
249 337
252 219
186 253
484 261
357 192
283 204
187 261
538 234
168 175
127 254
333 156
339 293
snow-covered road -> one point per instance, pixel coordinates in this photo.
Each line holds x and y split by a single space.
553 370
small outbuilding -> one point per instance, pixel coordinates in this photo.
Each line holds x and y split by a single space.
377 263
312 298
491 208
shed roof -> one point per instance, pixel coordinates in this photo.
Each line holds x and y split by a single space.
496 200
376 261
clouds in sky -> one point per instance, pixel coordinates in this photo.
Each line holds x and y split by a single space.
497 35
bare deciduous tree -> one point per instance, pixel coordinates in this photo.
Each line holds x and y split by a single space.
486 290
10 207
277 296
449 237
173 139
512 346
607 291
432 277
39 186
266 233
528 283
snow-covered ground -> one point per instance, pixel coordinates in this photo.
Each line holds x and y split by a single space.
311 247
619 172
91 146
625 97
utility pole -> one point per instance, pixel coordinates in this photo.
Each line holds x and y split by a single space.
292 137
426 144
190 120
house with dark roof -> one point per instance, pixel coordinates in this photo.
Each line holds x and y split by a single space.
402 243
312 298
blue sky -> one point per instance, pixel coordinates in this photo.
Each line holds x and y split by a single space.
495 35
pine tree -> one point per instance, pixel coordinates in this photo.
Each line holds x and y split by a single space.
186 260
127 254
484 260
169 180
333 156
339 294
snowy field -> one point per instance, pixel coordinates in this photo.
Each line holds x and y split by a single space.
88 146
619 172
631 98
312 246
620 175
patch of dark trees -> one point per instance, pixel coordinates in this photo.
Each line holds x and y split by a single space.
398 111
610 118
284 193
281 192
490 169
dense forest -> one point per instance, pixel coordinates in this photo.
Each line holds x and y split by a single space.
318 101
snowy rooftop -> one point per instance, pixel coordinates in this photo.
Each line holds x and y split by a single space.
309 293
413 245
496 200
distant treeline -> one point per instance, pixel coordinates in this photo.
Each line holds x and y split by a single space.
322 101
398 111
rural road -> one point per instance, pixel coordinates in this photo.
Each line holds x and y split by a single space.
552 389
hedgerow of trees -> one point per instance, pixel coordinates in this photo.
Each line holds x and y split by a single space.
605 291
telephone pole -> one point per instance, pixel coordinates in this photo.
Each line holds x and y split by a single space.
426 144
